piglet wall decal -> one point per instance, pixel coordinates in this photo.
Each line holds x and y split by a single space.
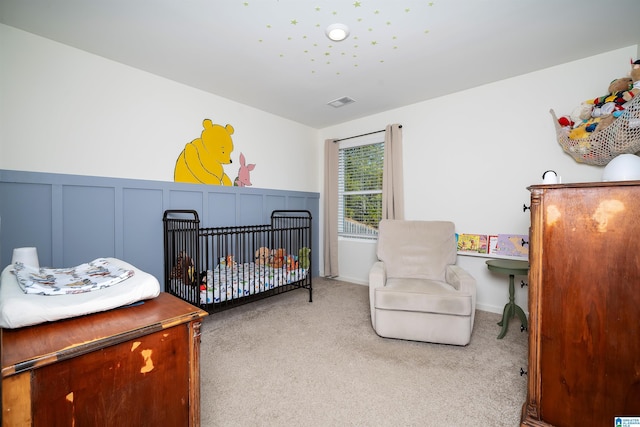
243 179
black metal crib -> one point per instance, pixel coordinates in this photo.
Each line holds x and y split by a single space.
216 268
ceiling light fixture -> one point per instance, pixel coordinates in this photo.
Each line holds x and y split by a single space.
337 32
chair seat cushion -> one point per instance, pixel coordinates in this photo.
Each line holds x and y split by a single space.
422 295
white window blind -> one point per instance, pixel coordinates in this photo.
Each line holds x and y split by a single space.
360 189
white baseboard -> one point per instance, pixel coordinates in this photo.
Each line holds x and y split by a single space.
489 308
352 280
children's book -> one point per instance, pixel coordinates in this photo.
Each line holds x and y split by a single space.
493 244
516 245
472 243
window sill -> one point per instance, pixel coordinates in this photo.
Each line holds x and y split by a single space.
357 239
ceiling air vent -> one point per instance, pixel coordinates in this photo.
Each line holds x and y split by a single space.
337 103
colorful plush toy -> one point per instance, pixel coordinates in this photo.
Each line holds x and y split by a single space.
303 257
635 77
262 256
277 258
596 114
619 104
183 269
292 264
203 281
616 93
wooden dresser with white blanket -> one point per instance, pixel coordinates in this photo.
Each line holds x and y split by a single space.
136 365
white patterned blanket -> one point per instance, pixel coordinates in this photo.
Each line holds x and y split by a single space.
91 276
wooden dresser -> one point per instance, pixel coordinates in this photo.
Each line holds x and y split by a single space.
584 304
132 366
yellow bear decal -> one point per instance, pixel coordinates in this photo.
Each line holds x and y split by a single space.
201 160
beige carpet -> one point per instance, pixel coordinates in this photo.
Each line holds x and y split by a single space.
284 361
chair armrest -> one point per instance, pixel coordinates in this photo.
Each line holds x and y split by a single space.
377 279
460 279
377 275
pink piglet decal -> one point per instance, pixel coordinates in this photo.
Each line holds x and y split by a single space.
243 179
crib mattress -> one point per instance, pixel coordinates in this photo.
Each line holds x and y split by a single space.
230 283
19 309
224 284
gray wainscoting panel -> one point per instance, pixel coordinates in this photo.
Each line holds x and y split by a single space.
221 210
139 206
73 219
252 209
27 209
88 220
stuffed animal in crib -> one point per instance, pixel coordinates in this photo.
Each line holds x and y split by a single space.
262 256
183 269
203 281
303 257
292 264
230 261
277 258
201 160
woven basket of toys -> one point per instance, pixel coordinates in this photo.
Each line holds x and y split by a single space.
603 128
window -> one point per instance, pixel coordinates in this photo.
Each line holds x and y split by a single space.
360 167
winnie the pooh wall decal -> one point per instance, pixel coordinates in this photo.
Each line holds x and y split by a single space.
243 179
201 160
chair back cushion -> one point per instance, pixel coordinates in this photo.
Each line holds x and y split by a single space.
416 249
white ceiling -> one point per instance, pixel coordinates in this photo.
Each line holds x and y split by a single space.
274 55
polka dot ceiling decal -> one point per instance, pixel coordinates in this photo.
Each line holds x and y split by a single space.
295 30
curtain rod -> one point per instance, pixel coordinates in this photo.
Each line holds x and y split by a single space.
364 134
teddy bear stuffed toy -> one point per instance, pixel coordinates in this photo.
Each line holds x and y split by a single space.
596 107
635 77
262 256
596 114
277 258
616 92
625 96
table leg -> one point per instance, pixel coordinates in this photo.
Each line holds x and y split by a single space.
523 317
505 321
510 309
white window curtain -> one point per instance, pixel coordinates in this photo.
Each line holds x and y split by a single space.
331 208
392 182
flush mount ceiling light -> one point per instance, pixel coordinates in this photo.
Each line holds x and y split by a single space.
337 32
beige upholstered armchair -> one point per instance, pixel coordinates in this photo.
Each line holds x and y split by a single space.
416 291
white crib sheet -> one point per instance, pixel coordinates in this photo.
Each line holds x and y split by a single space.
227 283
18 309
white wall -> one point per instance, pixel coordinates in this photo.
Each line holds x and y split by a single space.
63 110
468 157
